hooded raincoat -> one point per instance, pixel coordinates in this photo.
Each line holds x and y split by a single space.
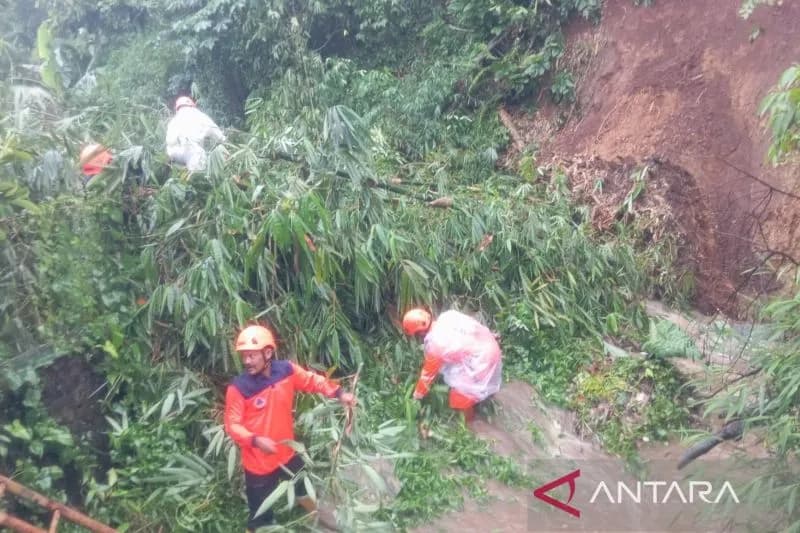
465 352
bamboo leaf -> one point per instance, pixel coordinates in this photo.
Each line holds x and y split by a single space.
167 405
375 478
175 227
310 490
272 499
232 459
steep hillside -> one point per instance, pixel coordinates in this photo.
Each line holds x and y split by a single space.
682 80
675 87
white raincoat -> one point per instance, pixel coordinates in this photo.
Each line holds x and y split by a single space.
465 352
186 135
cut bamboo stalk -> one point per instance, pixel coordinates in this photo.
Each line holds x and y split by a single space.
54 522
16 524
67 513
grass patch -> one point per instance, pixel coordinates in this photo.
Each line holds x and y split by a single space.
627 401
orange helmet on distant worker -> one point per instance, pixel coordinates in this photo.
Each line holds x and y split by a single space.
255 338
94 158
416 320
184 101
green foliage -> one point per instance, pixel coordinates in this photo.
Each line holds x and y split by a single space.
628 401
749 6
317 220
83 293
770 403
668 340
34 449
426 491
783 108
286 247
563 88
445 462
13 199
146 70
44 47
157 479
535 356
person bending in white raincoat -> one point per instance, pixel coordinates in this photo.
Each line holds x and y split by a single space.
187 133
463 350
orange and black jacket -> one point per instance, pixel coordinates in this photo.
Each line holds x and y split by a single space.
263 406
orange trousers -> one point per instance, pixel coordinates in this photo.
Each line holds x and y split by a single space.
463 403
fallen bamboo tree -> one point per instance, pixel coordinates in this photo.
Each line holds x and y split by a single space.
59 511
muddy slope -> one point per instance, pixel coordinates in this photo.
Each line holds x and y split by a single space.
542 439
682 80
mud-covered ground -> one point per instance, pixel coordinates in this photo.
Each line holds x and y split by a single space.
681 81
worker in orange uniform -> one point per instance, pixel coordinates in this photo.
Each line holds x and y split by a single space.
463 350
93 160
258 417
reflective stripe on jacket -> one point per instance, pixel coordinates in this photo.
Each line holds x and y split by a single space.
263 406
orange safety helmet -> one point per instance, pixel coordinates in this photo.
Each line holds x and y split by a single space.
416 320
94 158
255 338
184 101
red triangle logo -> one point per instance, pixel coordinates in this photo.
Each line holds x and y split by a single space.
542 491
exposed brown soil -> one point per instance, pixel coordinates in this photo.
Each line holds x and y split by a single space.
682 80
71 393
669 204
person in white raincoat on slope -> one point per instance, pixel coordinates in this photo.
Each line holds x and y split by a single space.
463 350
187 133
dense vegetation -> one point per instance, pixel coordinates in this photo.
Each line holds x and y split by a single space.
347 119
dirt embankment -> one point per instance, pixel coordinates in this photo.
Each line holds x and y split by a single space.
682 80
668 204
